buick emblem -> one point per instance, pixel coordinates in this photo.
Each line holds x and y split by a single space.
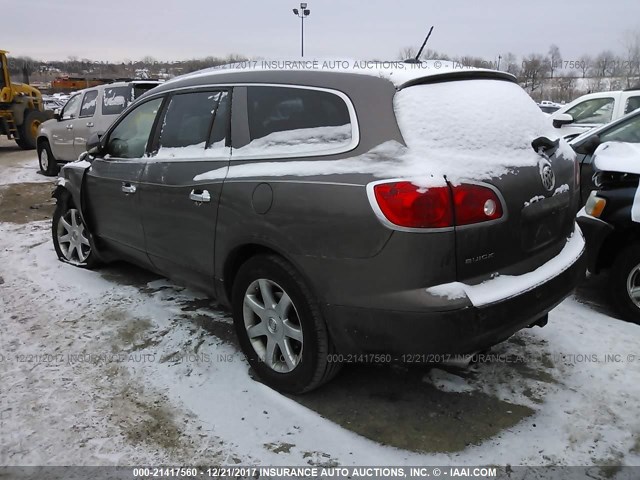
547 175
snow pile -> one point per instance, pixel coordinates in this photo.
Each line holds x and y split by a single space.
300 142
217 149
618 157
476 129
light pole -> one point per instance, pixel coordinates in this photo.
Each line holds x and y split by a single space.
302 13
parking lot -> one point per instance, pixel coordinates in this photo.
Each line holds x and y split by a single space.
119 365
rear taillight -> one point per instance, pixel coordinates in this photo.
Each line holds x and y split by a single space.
475 204
406 205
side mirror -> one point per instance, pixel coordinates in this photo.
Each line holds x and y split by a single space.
562 119
94 144
56 114
588 146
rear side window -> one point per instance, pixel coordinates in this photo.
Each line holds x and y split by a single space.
633 103
189 123
116 99
89 102
297 122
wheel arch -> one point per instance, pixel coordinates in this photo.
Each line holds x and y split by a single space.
240 255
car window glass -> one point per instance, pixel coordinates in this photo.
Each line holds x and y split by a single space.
633 103
296 121
187 125
129 138
627 131
116 99
72 108
596 110
89 102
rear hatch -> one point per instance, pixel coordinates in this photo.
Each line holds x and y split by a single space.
480 131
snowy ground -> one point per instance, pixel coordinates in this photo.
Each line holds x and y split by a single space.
119 366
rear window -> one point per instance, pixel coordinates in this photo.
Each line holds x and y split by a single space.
471 127
116 99
296 122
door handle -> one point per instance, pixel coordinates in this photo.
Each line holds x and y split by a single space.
89 124
128 188
69 127
200 196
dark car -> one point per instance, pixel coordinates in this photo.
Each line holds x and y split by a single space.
625 129
610 221
338 213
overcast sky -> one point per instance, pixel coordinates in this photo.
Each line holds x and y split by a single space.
361 29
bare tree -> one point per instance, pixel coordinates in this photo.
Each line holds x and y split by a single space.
406 53
510 64
534 69
584 63
555 58
603 63
631 42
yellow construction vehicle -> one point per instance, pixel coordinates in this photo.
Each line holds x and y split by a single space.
21 109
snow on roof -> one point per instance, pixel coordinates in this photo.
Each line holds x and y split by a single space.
397 72
618 157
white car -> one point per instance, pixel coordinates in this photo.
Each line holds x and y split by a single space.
594 110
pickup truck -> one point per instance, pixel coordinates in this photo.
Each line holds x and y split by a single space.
594 110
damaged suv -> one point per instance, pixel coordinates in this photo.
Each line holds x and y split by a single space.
336 212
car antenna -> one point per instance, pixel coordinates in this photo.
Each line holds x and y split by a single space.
417 59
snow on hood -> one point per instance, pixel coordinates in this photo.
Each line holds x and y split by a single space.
618 157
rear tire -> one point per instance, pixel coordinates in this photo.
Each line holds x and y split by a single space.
29 129
46 160
625 283
280 326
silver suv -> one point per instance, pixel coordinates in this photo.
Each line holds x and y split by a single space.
89 111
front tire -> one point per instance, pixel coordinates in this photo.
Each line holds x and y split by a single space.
46 160
280 327
71 238
625 283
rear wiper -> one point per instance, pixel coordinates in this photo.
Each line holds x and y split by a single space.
542 144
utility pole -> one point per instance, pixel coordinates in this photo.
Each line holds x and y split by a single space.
303 12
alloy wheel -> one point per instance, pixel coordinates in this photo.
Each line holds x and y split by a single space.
633 285
72 237
44 159
273 325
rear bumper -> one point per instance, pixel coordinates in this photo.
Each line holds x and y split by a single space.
460 331
596 232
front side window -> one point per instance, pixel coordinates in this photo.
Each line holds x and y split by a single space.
191 120
116 99
129 138
296 122
627 131
633 103
89 102
597 110
72 108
